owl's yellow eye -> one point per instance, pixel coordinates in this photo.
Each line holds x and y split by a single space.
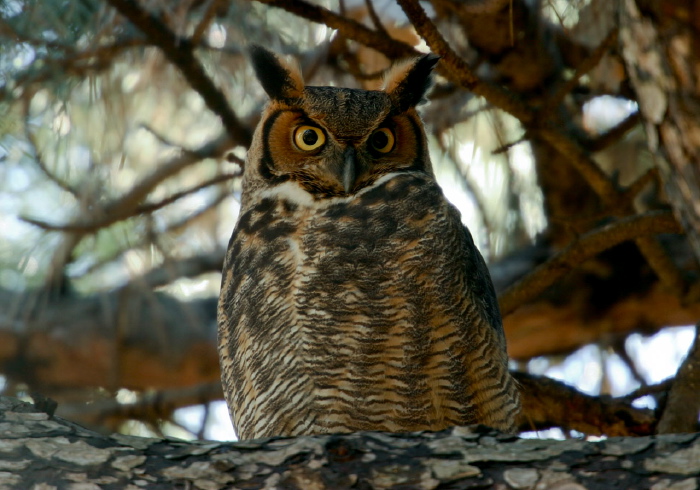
382 140
309 138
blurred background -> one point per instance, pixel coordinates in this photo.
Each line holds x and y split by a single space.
119 189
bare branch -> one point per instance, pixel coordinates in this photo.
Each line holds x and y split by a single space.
375 18
127 205
459 70
180 52
38 156
586 247
209 14
462 73
549 403
587 65
613 135
151 207
175 269
154 405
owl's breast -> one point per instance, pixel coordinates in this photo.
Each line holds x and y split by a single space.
376 308
361 307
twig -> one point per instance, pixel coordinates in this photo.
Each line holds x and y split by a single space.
587 65
176 269
506 147
126 206
613 134
618 348
633 190
38 156
151 207
375 18
588 246
180 52
657 388
203 25
683 405
178 225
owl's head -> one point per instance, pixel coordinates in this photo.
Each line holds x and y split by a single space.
333 142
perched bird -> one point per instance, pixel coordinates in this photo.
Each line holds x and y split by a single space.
353 297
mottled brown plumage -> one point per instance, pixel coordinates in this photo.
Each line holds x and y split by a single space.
352 297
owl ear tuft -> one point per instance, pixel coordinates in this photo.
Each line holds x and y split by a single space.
408 82
280 78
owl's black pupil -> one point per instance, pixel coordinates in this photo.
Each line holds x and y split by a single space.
309 137
380 139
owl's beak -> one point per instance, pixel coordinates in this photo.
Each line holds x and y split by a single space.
349 169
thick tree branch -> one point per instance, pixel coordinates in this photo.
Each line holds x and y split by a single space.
40 451
549 403
459 70
683 405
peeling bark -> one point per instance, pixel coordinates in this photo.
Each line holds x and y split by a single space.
40 451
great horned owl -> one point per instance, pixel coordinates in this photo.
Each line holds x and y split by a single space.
352 297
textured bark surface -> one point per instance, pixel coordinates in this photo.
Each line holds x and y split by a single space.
660 43
40 451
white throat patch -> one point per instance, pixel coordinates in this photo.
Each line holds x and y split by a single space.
292 192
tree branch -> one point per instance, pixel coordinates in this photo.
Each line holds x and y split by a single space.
128 204
180 52
586 247
460 457
683 405
459 70
549 403
347 27
151 406
462 73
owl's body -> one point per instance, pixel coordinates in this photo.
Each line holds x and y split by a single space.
353 298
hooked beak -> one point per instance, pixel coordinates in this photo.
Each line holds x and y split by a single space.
349 175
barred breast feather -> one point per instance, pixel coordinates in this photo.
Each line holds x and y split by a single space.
366 313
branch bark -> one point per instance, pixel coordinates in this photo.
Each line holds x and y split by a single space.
683 405
43 451
661 50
